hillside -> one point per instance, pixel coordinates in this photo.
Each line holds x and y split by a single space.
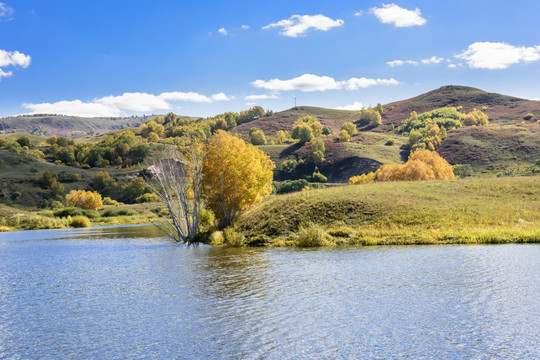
421 212
500 108
67 126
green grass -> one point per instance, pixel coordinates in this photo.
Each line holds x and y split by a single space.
371 145
494 210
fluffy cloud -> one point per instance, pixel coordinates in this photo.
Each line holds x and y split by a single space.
310 82
298 25
358 13
498 55
122 104
245 27
354 106
5 12
260 97
222 31
400 17
12 58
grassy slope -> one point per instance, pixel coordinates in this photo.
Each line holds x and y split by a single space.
471 210
495 150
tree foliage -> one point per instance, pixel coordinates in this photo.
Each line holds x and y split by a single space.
344 136
88 200
371 116
350 128
236 176
256 136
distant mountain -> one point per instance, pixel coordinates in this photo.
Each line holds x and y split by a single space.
67 126
500 109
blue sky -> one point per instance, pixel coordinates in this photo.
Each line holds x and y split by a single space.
201 58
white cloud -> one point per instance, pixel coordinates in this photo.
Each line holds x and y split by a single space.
123 104
358 13
498 55
5 12
245 27
452 66
223 31
260 97
298 25
402 62
12 58
432 60
310 82
354 106
400 17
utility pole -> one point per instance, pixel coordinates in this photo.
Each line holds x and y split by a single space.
295 102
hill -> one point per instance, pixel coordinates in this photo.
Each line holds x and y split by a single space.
422 212
67 126
500 108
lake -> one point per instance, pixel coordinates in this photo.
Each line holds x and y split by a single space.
127 292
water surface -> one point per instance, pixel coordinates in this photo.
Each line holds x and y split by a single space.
126 292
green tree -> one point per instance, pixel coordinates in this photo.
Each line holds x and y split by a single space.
256 136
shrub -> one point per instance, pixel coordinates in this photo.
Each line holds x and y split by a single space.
318 177
327 130
148 197
89 200
390 142
362 179
288 166
216 238
422 165
371 117
341 231
289 186
109 201
529 116
56 205
68 212
311 235
91 214
232 238
350 128
80 222
344 136
256 137
4 228
42 204
206 219
117 212
69 177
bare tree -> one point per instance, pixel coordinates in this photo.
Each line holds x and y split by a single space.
176 179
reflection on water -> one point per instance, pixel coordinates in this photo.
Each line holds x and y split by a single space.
127 292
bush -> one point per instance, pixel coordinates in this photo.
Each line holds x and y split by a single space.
91 214
390 142
289 186
80 222
350 128
148 197
289 166
232 238
117 212
311 235
206 219
327 130
342 231
529 116
89 200
109 201
318 177
56 205
68 177
344 136
362 179
68 212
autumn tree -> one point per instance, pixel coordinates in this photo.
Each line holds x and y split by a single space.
371 116
256 136
344 136
317 150
305 128
350 128
236 176
89 200
422 165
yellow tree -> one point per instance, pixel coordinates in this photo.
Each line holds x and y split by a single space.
89 200
236 176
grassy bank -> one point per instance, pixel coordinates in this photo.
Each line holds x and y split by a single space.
494 210
17 218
